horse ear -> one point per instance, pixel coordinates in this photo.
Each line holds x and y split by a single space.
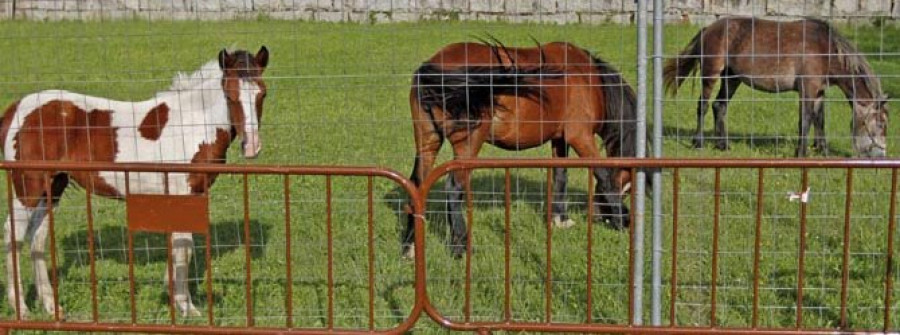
262 57
223 59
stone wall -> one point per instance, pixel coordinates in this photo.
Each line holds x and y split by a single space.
376 11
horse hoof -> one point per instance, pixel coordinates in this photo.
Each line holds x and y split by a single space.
191 312
24 312
408 252
723 147
618 223
558 222
62 314
458 250
821 149
697 144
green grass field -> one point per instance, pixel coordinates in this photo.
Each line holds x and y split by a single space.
338 95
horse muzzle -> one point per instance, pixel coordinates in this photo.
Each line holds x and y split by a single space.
251 145
877 152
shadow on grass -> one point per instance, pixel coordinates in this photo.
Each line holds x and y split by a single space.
770 144
111 244
488 193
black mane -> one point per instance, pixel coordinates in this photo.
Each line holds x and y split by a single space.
466 92
620 124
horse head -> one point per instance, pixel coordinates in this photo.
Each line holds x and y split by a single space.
245 92
870 127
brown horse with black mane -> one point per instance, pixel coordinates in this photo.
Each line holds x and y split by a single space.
773 56
521 98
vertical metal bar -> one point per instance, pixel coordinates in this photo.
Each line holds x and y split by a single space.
633 282
12 245
548 280
209 288
171 279
507 201
330 236
467 304
715 247
676 181
889 261
641 152
131 284
289 274
89 208
370 207
845 264
757 244
802 251
248 276
51 222
656 266
590 246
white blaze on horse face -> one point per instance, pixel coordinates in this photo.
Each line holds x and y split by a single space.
249 91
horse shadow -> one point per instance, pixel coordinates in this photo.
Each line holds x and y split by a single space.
489 187
772 144
111 244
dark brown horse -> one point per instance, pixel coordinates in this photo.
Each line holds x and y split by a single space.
520 98
804 56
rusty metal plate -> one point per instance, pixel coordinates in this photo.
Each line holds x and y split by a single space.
168 213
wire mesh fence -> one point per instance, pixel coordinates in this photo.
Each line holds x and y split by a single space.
338 93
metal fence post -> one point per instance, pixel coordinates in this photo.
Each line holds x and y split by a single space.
640 179
656 266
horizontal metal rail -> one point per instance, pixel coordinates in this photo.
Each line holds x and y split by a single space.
759 166
181 204
417 196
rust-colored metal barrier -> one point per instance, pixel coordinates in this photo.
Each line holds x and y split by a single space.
145 214
165 213
466 322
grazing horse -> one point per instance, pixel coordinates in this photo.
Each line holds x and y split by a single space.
520 98
772 56
193 122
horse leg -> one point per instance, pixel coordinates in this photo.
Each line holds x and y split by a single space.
709 80
466 144
807 115
18 220
38 253
428 144
39 244
560 179
720 110
819 143
182 252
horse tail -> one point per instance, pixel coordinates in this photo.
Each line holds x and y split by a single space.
684 65
467 91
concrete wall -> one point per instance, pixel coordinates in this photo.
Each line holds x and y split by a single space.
555 11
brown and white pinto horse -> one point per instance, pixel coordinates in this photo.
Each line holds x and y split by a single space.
520 98
193 122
